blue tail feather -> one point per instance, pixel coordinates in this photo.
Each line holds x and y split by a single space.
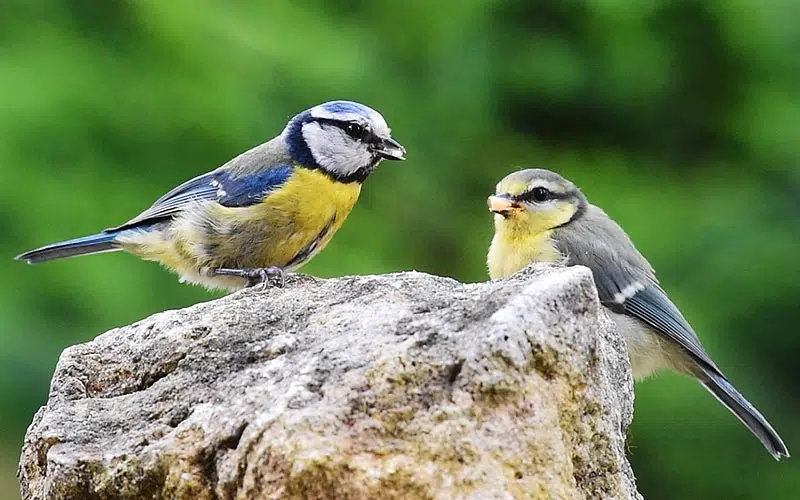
96 243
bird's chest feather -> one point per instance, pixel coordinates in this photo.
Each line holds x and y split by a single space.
286 229
299 219
511 252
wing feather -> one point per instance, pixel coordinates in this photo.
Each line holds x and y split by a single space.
228 189
625 280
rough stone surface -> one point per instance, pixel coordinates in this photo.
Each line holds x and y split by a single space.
398 386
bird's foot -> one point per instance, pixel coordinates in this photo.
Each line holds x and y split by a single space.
264 277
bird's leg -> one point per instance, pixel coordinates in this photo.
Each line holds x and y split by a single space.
264 276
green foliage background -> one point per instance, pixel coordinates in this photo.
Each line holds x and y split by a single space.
680 118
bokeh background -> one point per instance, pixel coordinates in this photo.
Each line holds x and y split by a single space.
680 118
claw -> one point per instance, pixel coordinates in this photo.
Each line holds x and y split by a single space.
262 284
281 277
273 276
264 277
256 277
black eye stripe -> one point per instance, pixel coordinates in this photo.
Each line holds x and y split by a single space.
354 130
535 195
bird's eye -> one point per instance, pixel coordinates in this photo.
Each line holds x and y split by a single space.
540 194
355 130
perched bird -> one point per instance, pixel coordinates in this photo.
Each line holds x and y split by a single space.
267 211
542 217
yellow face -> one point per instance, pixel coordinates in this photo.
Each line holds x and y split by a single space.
531 204
528 205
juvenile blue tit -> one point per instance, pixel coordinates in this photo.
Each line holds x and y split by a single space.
542 217
269 210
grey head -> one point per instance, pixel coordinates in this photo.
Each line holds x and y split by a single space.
345 139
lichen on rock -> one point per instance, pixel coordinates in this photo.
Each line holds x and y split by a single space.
398 386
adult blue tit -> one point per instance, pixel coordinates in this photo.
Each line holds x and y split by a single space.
542 217
269 210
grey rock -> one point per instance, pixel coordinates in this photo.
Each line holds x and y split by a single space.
399 386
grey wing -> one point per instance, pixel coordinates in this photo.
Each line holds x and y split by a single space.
202 187
625 281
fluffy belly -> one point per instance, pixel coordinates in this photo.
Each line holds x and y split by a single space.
648 351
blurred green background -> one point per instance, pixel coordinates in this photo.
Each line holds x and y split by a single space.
680 118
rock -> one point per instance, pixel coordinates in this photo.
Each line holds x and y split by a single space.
399 386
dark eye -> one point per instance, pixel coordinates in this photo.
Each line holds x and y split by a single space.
355 130
540 194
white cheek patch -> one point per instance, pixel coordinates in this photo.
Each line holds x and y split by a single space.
628 292
334 150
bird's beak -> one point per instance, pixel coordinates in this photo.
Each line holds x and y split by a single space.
502 205
390 149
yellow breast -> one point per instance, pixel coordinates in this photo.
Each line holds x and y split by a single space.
512 251
307 210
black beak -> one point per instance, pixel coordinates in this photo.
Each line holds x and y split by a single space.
390 149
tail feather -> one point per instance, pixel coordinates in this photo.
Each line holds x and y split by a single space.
96 243
719 386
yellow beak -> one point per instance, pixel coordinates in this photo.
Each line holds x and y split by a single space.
501 205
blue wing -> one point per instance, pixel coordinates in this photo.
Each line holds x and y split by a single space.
220 185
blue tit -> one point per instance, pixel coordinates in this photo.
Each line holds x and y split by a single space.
542 217
269 210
